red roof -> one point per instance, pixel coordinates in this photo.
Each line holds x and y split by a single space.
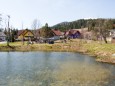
57 32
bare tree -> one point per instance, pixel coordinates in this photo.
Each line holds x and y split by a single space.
35 26
102 28
104 31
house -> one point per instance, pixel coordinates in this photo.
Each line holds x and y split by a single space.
73 33
112 36
2 36
79 33
57 33
25 34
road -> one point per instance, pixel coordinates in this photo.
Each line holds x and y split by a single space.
3 42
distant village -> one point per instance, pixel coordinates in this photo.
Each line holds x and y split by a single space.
34 35
49 35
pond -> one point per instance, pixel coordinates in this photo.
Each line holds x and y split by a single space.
53 69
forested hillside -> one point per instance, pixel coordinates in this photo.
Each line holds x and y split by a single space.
81 23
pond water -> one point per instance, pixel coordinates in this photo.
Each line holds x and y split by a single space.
53 69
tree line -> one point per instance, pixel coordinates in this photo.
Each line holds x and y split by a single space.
12 34
81 23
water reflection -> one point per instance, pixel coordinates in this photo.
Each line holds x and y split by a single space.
53 69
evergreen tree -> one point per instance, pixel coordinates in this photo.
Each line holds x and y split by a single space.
46 31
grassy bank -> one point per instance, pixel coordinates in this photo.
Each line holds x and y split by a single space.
103 52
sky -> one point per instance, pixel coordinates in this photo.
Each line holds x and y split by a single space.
54 11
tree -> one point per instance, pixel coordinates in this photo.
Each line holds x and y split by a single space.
5 31
35 26
14 32
46 31
104 31
12 39
102 27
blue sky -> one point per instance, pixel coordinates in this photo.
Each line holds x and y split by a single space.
55 11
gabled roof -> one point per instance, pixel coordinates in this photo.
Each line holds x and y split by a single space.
57 32
23 32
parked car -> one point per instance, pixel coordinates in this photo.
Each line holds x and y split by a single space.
55 38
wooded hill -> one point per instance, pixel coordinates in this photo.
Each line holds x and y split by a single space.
81 23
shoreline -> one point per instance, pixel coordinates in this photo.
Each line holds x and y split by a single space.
101 52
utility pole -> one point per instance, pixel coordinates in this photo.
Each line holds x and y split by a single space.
23 35
8 33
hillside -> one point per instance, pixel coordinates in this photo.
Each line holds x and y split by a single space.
81 23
